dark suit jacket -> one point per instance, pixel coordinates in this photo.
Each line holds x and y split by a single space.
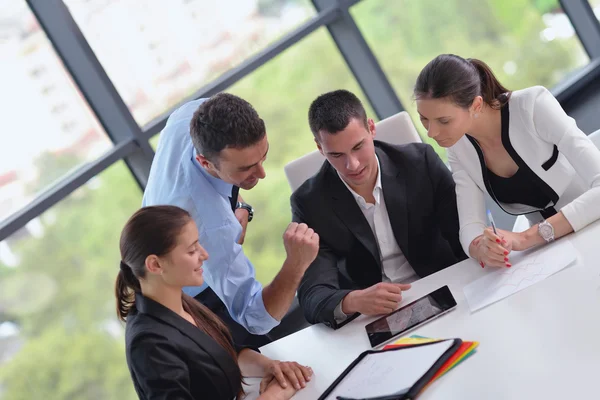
169 358
419 196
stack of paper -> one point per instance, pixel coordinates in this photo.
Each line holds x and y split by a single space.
464 351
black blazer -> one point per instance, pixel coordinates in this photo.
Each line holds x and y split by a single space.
169 358
421 202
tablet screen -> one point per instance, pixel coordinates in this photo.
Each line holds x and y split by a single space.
410 316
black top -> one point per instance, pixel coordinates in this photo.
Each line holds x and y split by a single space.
525 187
517 189
169 358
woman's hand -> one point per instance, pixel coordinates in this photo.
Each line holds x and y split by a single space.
273 390
284 372
491 249
513 240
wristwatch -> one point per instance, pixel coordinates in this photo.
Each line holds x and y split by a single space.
246 207
546 231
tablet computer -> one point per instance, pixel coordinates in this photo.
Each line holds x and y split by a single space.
410 316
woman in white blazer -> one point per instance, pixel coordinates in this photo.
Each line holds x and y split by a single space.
520 147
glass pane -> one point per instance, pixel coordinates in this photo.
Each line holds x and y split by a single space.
154 141
281 91
539 47
158 52
59 335
47 126
596 7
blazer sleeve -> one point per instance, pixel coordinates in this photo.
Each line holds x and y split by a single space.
470 202
555 126
445 200
158 369
319 292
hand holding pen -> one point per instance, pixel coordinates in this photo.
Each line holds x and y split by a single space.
492 247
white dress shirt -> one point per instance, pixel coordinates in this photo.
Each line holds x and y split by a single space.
396 268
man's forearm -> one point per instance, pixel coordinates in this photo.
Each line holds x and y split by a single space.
348 303
279 294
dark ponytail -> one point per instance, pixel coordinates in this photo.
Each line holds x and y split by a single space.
154 231
492 91
125 287
460 80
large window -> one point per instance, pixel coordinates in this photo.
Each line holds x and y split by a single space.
525 42
59 335
47 127
154 141
596 7
158 52
281 91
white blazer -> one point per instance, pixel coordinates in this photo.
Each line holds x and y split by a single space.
560 159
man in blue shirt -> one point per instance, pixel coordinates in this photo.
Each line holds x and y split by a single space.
209 149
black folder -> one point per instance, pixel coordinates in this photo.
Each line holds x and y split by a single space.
414 390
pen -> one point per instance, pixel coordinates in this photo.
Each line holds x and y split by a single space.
491 219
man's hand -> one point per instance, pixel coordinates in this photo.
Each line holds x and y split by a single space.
242 216
301 245
382 298
297 375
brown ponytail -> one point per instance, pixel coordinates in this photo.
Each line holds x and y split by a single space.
460 80
492 91
125 287
154 230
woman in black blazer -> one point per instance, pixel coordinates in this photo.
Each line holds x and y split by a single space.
176 347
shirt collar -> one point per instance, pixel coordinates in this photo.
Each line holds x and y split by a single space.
376 190
222 187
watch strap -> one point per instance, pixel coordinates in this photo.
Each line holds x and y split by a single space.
246 207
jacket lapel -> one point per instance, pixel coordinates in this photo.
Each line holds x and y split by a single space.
395 195
210 346
348 211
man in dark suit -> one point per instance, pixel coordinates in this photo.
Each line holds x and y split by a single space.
385 214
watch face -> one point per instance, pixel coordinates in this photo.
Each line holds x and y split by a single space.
545 231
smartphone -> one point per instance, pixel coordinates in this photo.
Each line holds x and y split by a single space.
410 316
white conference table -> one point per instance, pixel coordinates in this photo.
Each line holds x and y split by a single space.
540 343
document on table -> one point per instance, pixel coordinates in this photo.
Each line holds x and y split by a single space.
389 372
528 268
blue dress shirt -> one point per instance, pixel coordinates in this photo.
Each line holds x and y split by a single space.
176 178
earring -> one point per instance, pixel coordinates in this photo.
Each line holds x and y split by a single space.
476 115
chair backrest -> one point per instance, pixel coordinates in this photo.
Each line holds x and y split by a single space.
397 129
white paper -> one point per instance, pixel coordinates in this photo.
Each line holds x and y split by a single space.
528 268
389 372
